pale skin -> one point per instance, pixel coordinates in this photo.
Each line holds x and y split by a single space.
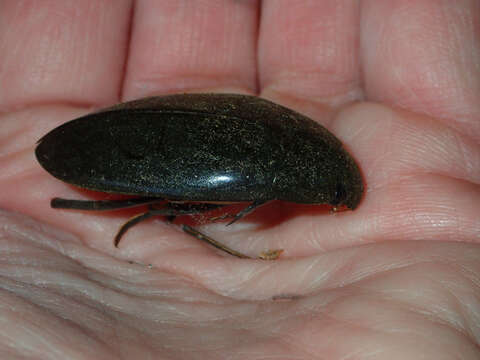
398 278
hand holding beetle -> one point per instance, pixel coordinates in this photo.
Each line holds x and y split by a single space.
345 280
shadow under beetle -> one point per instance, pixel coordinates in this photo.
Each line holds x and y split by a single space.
198 152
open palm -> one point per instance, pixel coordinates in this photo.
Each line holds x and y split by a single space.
398 278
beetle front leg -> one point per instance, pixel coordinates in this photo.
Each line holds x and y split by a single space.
250 208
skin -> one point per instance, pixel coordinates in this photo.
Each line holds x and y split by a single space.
395 279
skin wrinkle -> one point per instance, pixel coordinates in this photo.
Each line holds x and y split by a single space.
457 325
461 307
395 331
440 314
469 165
45 311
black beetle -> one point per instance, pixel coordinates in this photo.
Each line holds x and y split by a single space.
197 152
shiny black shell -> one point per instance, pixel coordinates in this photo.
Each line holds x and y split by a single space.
203 147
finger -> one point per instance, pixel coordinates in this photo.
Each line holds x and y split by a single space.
182 45
424 56
61 51
308 50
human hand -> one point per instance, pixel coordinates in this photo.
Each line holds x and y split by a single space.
396 278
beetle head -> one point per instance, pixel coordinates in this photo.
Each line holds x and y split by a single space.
347 187
347 193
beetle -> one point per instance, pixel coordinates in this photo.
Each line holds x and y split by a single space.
196 153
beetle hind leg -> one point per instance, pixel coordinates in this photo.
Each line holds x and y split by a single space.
265 255
102 205
200 236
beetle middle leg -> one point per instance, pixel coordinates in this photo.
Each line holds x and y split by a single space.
171 211
242 213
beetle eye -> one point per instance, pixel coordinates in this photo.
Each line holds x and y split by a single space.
340 194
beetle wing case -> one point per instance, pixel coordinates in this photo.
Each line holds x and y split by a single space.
203 147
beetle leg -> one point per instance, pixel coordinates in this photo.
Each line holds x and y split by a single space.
130 223
247 210
265 255
221 217
102 205
170 217
134 220
171 211
198 235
